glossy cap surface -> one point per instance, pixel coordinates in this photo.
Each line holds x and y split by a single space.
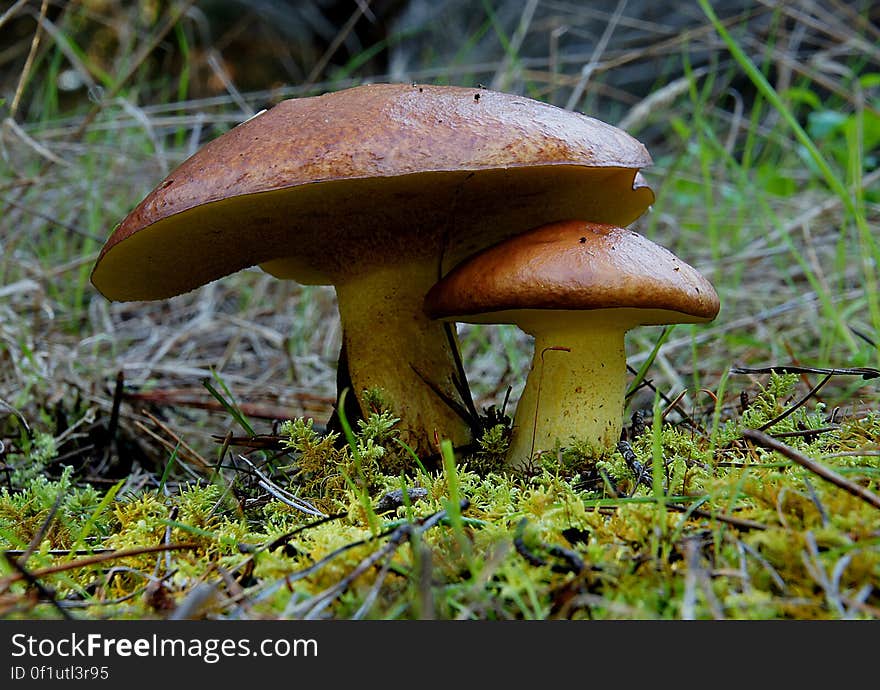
574 265
370 166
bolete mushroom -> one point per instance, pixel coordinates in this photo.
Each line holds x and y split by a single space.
376 190
577 287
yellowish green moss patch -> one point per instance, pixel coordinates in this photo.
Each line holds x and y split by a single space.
737 531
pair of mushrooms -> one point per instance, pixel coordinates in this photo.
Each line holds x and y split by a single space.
382 191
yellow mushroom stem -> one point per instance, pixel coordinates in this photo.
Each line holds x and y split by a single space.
576 386
391 344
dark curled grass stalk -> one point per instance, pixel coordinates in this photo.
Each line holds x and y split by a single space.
568 560
93 560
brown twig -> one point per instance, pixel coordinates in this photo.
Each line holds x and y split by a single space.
40 533
671 404
674 405
178 441
864 372
187 398
25 72
94 560
741 523
32 580
857 490
113 424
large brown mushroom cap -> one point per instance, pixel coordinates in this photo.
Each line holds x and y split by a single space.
361 171
574 265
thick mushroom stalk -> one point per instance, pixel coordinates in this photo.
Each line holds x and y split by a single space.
576 385
390 344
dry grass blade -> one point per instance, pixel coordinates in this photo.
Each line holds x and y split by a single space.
312 607
34 582
136 62
178 444
10 12
363 8
40 533
94 560
661 98
195 602
864 372
281 494
588 69
739 523
25 72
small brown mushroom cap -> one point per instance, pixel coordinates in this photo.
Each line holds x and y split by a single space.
328 183
577 287
574 265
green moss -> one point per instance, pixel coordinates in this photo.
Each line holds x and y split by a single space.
743 532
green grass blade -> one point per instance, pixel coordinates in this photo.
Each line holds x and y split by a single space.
646 365
230 407
99 510
773 97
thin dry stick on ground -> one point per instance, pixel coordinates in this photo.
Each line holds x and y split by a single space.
816 468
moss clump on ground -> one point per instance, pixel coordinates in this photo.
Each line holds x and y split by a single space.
731 530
